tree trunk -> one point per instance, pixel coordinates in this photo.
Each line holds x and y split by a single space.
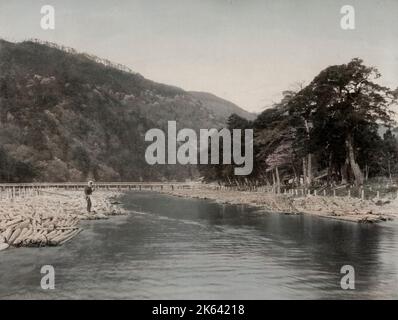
278 180
309 169
343 172
308 175
389 170
295 174
266 179
366 172
356 170
304 172
273 181
329 179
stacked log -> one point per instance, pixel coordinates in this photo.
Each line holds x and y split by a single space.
47 220
32 231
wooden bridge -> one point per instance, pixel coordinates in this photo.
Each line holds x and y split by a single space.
18 189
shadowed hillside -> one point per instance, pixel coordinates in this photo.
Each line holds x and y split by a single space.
64 116
221 108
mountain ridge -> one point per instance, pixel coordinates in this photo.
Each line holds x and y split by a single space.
66 117
220 106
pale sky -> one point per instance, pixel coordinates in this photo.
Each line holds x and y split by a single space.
246 51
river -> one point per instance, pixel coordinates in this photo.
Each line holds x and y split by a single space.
175 248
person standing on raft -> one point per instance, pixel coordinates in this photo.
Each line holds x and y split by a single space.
88 190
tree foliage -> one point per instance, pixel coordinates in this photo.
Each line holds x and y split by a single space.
328 128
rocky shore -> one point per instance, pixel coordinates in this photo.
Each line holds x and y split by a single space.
342 208
50 218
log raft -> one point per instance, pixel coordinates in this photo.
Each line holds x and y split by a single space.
49 219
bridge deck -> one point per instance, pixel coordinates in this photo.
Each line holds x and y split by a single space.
12 190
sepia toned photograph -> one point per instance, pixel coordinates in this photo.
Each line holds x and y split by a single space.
176 150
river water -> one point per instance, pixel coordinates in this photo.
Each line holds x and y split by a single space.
174 248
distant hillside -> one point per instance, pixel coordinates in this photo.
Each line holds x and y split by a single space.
67 116
221 108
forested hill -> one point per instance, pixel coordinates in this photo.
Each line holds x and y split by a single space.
67 116
221 107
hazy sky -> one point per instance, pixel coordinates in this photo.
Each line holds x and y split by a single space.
247 51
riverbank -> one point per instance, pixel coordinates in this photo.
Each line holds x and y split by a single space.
341 208
53 217
50 218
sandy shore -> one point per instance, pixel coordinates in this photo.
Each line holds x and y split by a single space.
51 218
343 208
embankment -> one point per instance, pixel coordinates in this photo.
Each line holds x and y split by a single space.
342 208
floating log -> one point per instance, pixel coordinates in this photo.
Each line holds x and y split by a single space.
14 236
72 235
12 223
4 246
7 234
60 238
21 237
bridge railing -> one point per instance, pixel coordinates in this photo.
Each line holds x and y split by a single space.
13 190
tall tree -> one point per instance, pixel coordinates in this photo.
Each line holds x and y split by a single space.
347 99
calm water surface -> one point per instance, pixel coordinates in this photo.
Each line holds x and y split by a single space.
173 248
